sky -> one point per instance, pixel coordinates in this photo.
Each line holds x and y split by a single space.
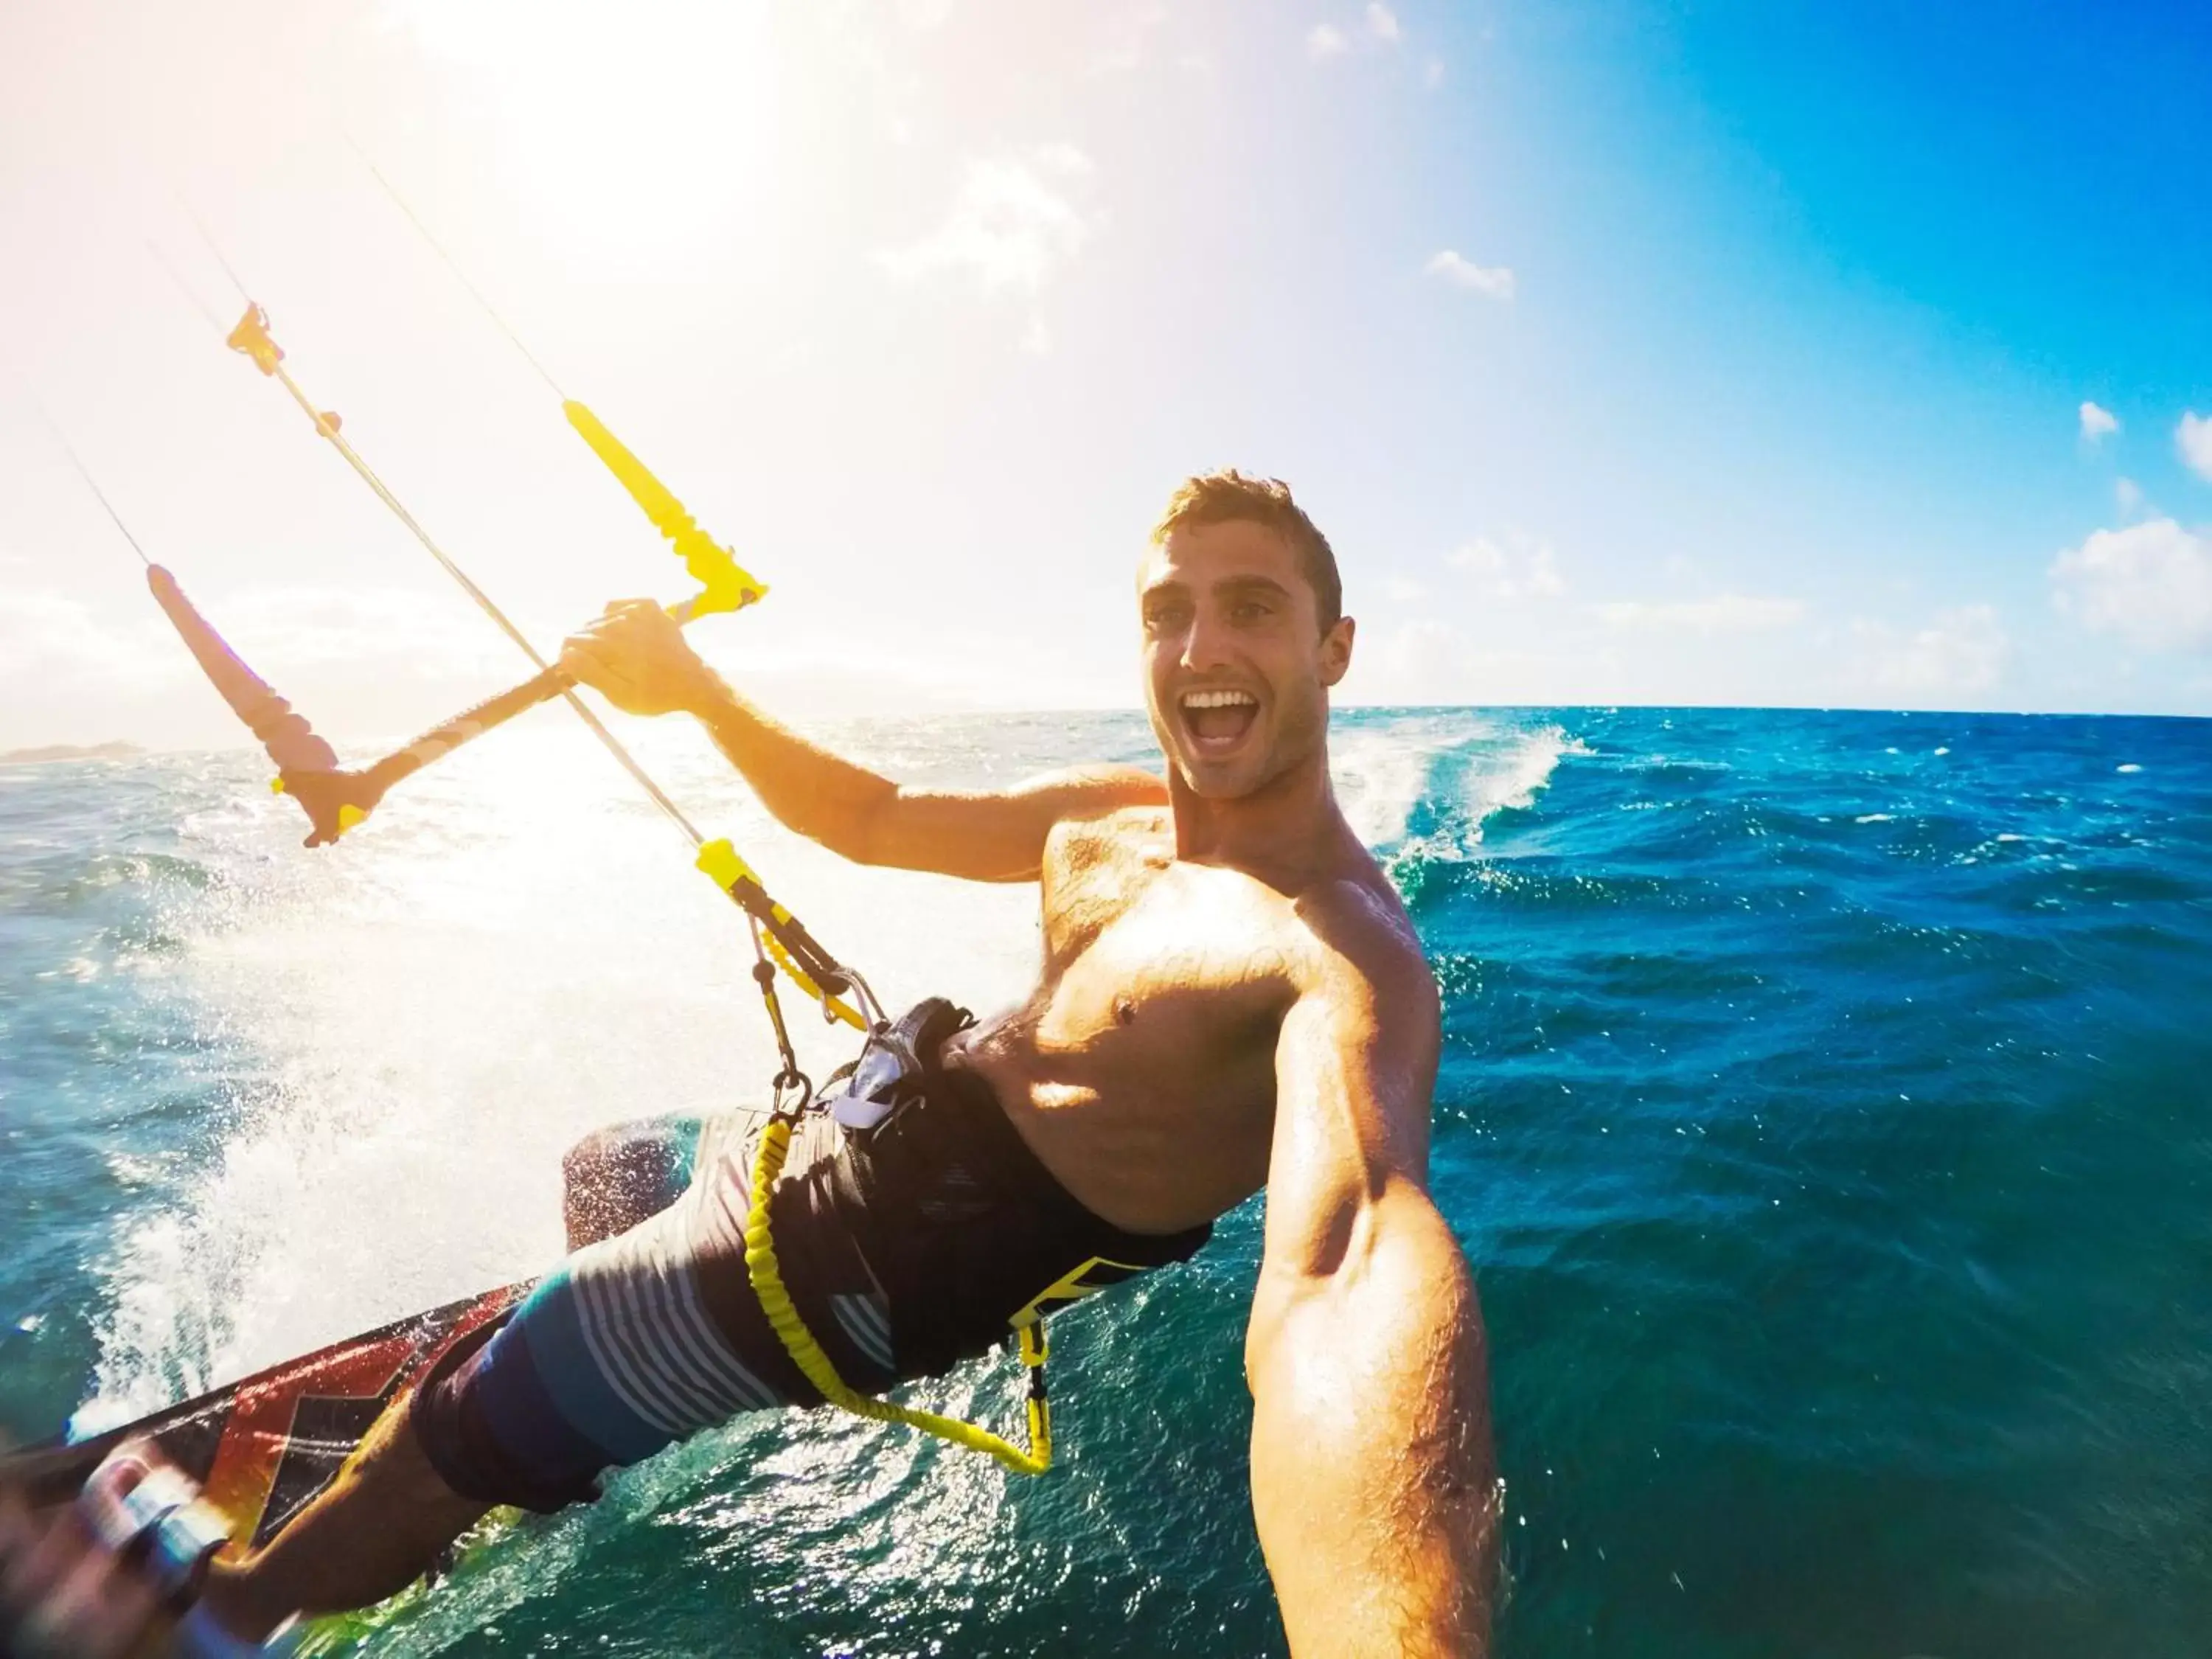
1679 354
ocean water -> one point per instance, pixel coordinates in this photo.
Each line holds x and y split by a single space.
1826 1106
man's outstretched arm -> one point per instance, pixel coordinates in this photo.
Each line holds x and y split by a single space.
1374 1483
641 662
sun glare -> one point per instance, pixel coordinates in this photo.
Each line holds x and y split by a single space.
630 131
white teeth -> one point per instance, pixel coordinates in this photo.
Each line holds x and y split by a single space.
1219 700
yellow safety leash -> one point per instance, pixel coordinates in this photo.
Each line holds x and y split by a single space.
798 1342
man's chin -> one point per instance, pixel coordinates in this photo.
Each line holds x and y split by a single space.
1230 778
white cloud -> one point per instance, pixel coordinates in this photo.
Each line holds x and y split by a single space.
1129 31
2097 421
1963 650
1011 225
48 640
1404 590
2151 584
1724 613
1525 570
2128 496
1377 30
1432 72
1493 281
959 670
352 661
1419 652
395 632
1325 41
2193 438
1430 661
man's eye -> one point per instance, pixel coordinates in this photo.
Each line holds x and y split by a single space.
1250 611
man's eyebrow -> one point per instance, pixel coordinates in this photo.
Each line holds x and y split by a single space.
1250 585
1176 587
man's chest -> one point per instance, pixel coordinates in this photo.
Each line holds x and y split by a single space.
1134 939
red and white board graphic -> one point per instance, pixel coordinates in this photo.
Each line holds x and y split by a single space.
264 1446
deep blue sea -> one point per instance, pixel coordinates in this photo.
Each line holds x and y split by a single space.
1826 1107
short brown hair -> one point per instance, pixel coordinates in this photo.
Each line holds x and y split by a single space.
1230 497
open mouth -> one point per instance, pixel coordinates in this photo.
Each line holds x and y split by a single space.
1218 720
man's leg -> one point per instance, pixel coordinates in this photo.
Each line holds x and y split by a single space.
389 1514
377 1527
530 1415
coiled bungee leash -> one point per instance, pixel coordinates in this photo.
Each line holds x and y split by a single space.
793 1099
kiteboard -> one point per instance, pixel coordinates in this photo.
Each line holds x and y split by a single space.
263 1448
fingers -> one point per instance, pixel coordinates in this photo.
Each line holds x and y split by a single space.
621 611
100 1609
19 1535
103 1500
626 625
588 661
636 656
620 617
103 1577
55 1542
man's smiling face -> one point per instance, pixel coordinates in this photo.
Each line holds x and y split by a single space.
1237 666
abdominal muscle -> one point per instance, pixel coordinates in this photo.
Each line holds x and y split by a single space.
1149 1097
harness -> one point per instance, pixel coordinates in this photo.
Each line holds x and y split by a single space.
907 1046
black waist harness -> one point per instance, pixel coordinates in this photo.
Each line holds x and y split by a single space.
966 1233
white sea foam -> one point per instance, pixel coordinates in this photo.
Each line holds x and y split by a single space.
1522 772
1382 772
1505 775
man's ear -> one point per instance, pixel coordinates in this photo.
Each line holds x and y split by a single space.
1336 650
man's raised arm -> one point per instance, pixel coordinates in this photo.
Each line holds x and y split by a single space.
1373 1481
639 659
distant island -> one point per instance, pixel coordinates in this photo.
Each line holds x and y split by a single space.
70 751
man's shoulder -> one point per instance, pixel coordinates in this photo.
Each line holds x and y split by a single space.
1360 932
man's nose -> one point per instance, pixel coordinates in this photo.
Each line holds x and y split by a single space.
1206 645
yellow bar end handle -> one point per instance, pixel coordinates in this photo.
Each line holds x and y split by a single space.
723 865
724 585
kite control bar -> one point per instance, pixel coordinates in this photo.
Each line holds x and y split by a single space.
337 801
335 797
342 799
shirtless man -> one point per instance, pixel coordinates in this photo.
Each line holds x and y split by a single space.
1231 996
